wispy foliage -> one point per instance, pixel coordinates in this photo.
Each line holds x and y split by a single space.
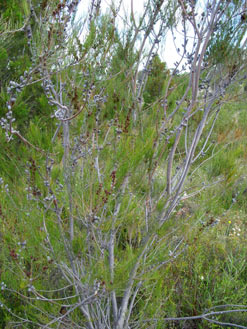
120 167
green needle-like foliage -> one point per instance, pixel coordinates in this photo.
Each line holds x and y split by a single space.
122 181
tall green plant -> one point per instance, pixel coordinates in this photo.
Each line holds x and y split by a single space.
107 208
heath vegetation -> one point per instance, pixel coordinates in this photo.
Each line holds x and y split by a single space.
122 180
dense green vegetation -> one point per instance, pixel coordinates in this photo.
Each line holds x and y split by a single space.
84 173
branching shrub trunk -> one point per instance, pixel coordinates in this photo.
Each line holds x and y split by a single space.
109 181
